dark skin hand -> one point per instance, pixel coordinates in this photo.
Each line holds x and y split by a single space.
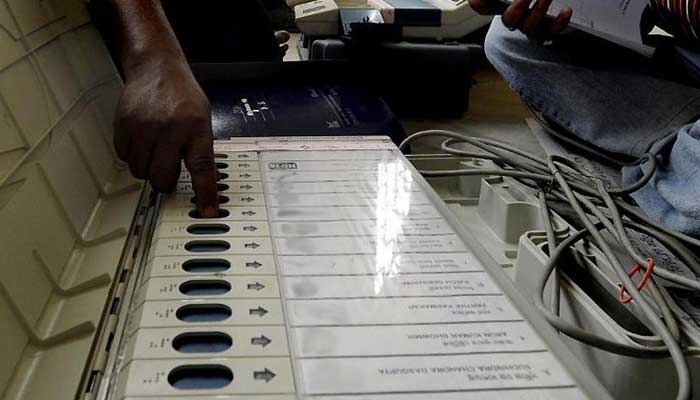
519 15
163 115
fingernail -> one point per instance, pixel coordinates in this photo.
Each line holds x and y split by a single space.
211 212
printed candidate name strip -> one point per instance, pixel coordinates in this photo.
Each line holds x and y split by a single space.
328 155
343 213
380 285
369 245
357 264
397 340
360 228
347 199
324 165
349 186
399 311
292 176
432 373
568 393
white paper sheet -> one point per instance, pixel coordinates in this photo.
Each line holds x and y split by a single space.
618 21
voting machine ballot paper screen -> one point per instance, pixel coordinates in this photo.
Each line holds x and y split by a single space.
333 273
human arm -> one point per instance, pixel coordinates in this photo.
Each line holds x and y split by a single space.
163 116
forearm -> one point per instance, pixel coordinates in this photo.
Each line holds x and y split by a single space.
144 35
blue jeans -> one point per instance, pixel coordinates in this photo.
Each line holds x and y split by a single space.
618 101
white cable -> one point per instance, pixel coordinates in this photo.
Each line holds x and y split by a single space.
578 189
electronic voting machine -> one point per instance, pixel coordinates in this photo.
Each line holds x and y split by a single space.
333 271
419 19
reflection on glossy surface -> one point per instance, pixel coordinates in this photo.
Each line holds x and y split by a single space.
394 182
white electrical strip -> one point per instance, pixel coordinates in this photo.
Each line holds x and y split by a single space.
334 272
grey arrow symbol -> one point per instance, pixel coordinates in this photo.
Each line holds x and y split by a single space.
248 213
246 187
260 341
265 375
256 286
245 175
247 199
244 165
253 264
250 228
260 312
252 245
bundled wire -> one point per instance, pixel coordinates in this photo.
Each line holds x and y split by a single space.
607 218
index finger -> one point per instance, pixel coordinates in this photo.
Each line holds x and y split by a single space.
199 159
533 22
562 21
